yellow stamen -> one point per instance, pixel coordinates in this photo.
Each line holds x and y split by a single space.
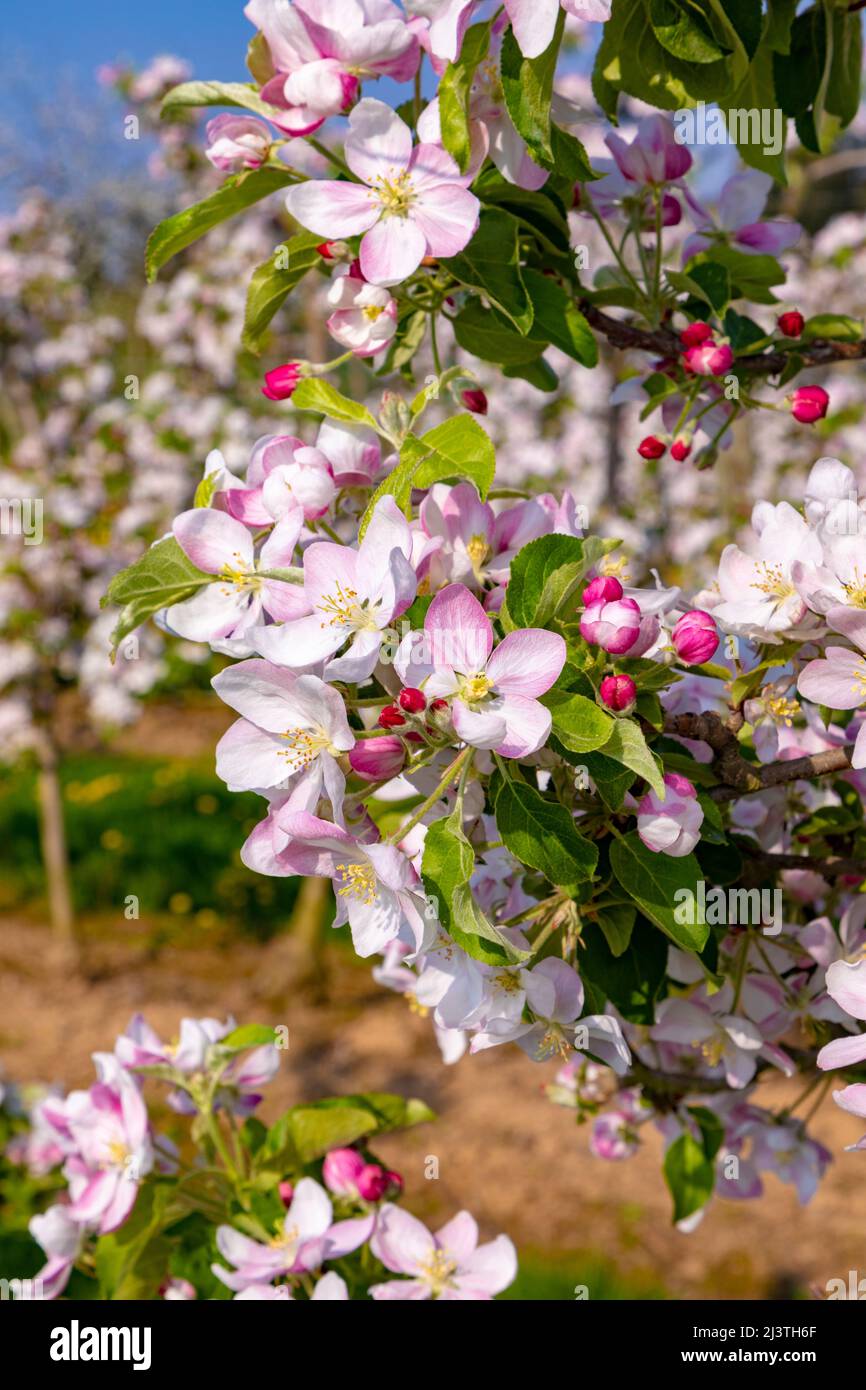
395 194
359 882
775 582
474 688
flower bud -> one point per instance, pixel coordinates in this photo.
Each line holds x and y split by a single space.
280 382
652 447
395 1183
474 400
287 1192
602 589
791 323
395 414
614 626
372 1182
809 403
341 1170
695 334
709 359
680 449
391 718
695 637
619 693
237 142
412 700
378 759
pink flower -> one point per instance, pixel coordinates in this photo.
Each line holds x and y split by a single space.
378 759
618 693
846 984
448 1265
613 1137
347 1174
493 694
474 400
61 1236
724 1040
323 49
680 450
654 156
838 679
230 606
671 826
708 359
695 637
614 626
410 203
364 317
109 1127
534 21
237 142
809 403
280 382
695 334
308 1237
741 203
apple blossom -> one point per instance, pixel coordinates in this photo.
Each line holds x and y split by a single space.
671 825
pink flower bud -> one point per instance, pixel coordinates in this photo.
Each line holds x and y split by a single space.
695 637
280 382
809 403
613 626
474 400
672 826
395 1183
341 1171
602 589
791 323
618 693
378 759
391 718
651 448
372 1182
709 359
287 1192
680 450
237 142
695 334
412 700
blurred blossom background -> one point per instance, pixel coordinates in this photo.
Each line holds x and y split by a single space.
121 884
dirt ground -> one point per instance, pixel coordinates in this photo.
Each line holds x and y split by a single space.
518 1162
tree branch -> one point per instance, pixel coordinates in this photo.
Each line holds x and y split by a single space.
827 868
736 775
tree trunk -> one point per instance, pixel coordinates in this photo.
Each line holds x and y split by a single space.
55 857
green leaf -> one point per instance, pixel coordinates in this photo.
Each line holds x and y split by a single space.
491 264
570 162
757 94
690 1176
652 880
457 448
306 1132
546 571
780 17
627 745
751 276
455 86
558 319
181 230
314 393
192 94
528 87
161 577
631 979
631 59
617 924
543 835
448 865
249 1035
683 30
836 327
132 1262
610 777
539 210
579 724
745 334
271 283
486 334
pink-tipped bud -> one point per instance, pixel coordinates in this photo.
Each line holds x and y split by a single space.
280 382
618 693
391 718
791 323
613 626
709 359
326 250
395 1183
378 759
695 334
287 1192
651 448
474 400
809 403
695 637
412 700
603 589
680 449
372 1182
341 1171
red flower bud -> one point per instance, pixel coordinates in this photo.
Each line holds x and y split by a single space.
391 718
603 589
474 400
412 700
695 334
791 323
325 250
280 382
809 403
286 1192
651 447
680 449
618 692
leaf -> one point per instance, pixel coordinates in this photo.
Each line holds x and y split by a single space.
632 979
271 284
684 32
578 723
448 865
780 17
249 1035
306 1132
540 210
631 59
242 94
131 1263
181 230
455 86
627 745
314 393
652 880
617 924
542 835
751 276
486 334
836 327
161 577
558 319
756 94
457 448
690 1176
610 777
546 571
528 87
491 264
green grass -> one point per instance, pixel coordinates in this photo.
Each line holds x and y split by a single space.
164 830
563 1277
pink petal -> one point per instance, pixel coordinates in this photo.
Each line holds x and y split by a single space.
527 726
838 681
333 209
533 22
459 631
213 540
447 215
392 250
527 662
401 1241
842 1052
846 984
379 144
